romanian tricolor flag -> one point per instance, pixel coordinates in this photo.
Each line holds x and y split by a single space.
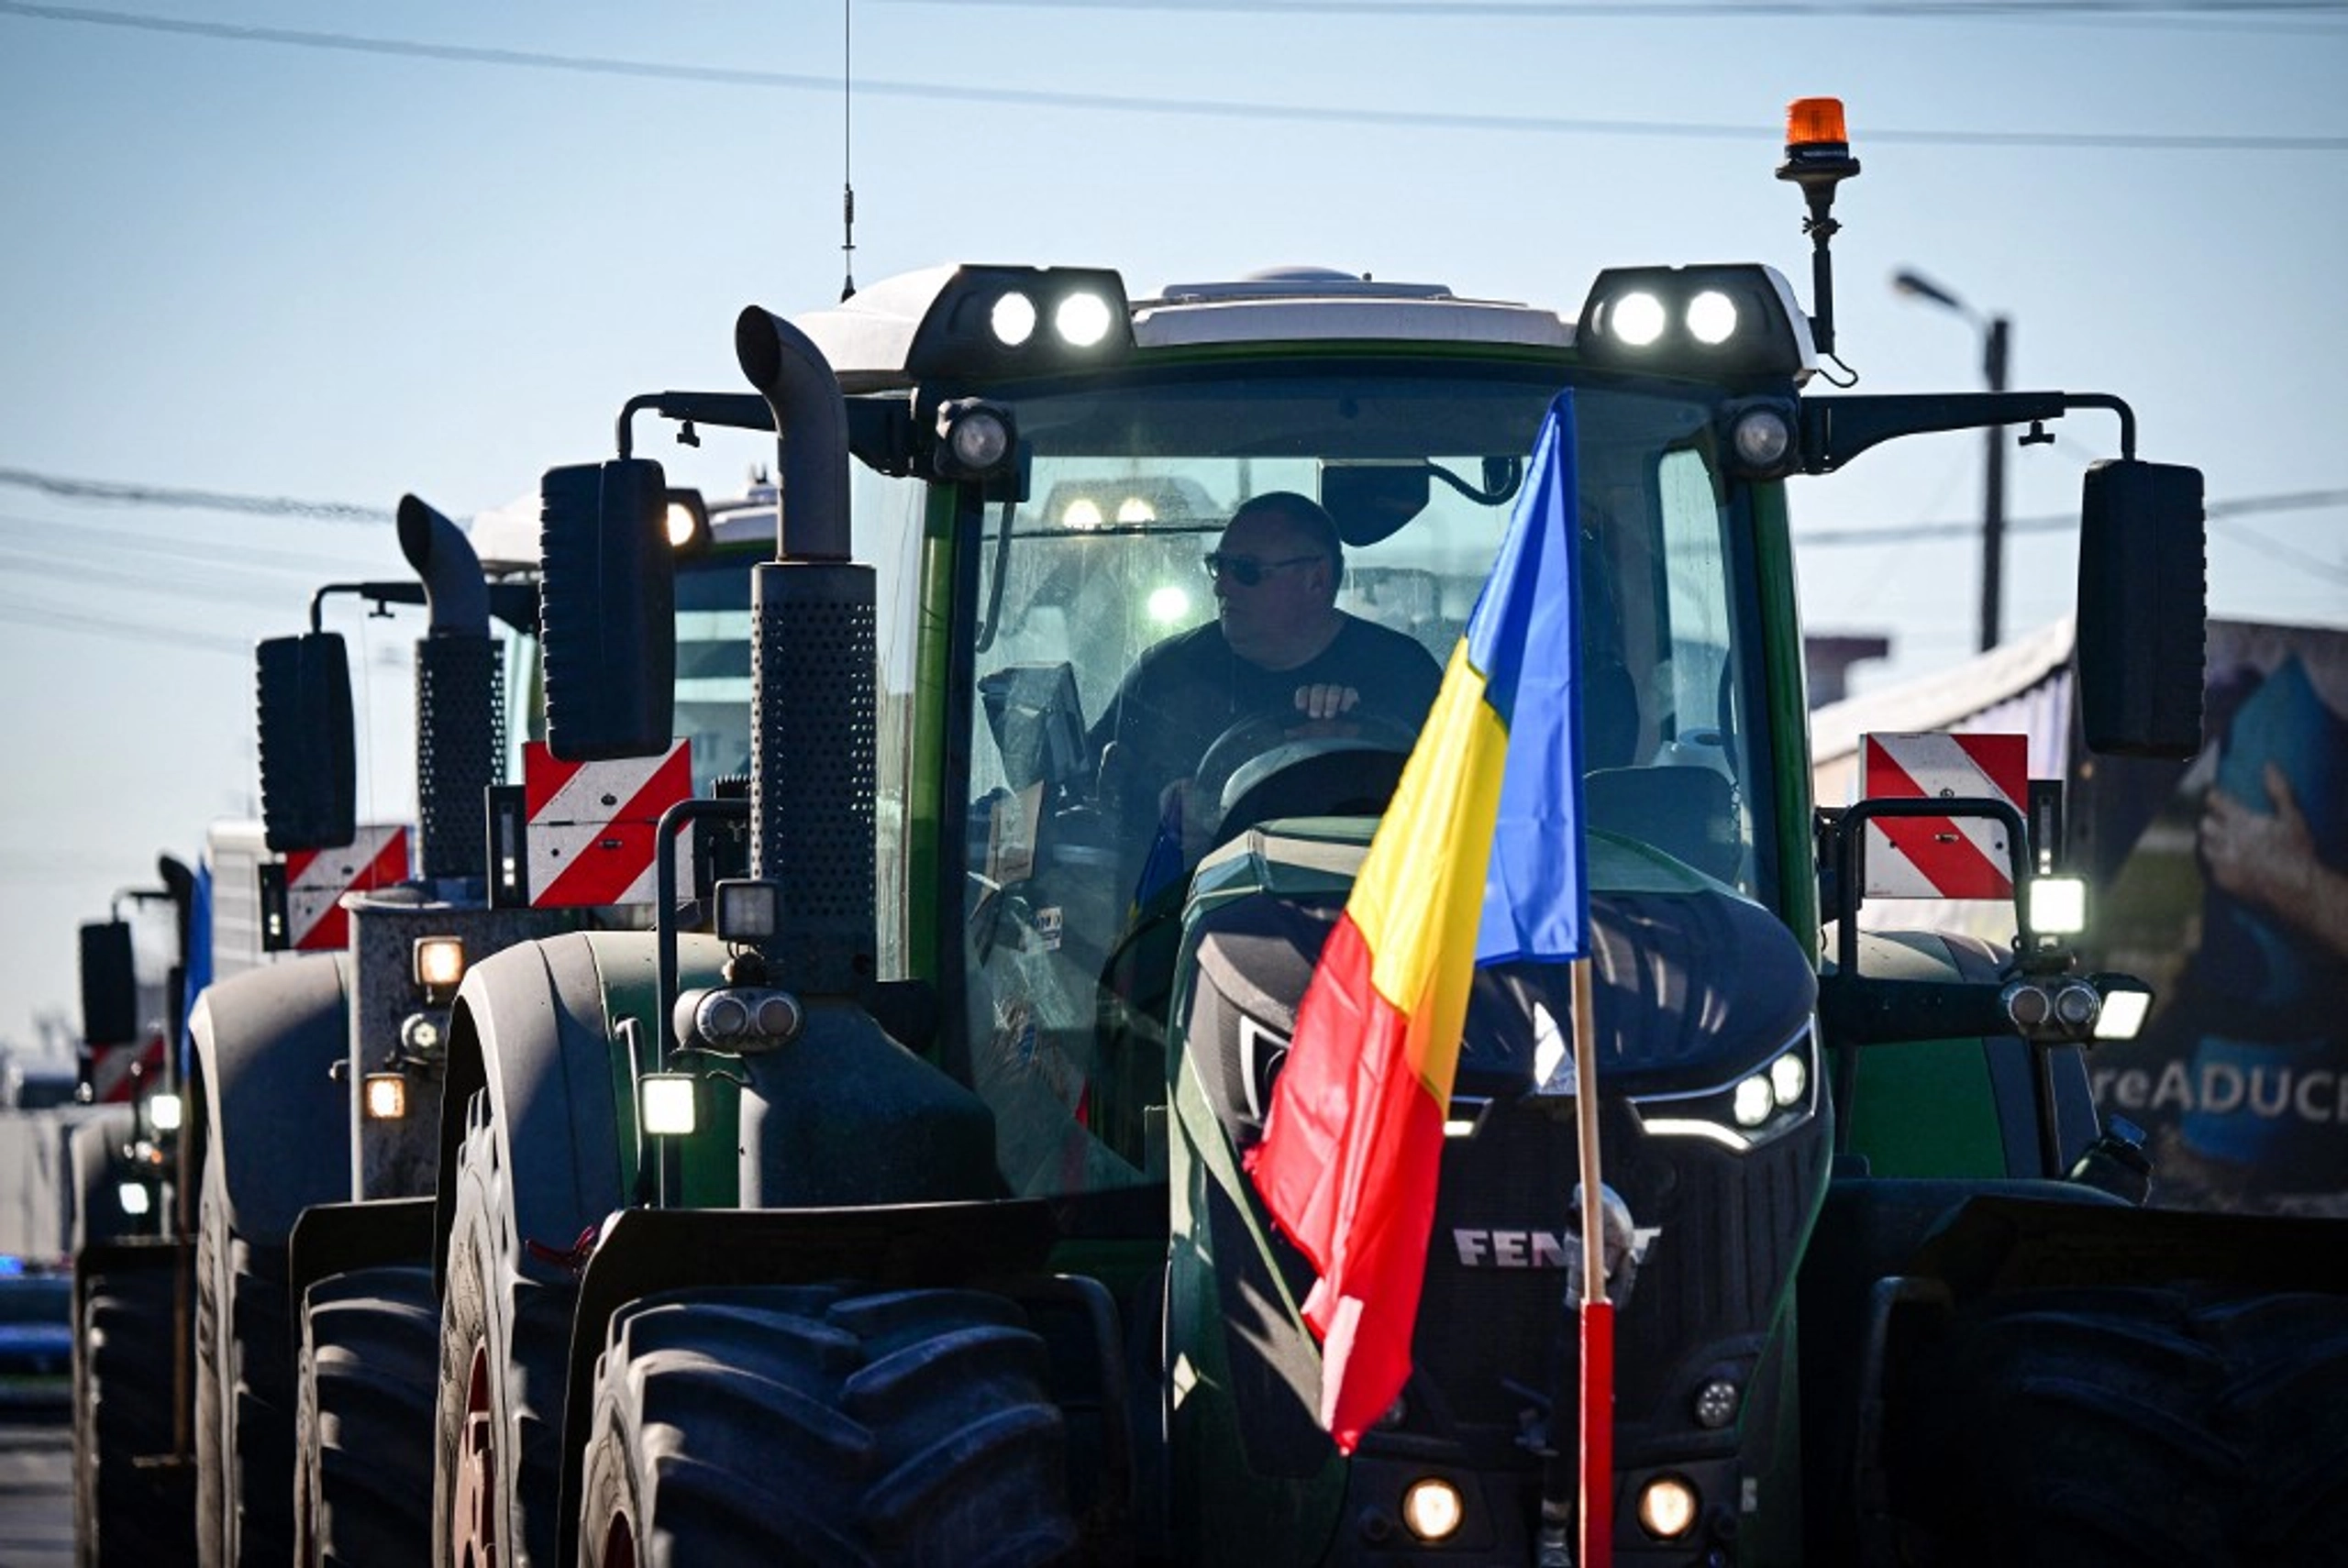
1477 860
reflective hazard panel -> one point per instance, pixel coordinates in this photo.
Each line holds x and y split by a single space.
591 826
1942 857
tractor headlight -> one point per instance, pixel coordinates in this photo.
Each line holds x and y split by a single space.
439 964
1668 1507
385 1095
1433 1510
164 1111
2127 1001
136 1201
668 1104
1756 1107
2058 906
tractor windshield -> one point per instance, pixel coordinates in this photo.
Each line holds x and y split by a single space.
1130 491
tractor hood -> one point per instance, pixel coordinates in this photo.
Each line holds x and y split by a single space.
1696 987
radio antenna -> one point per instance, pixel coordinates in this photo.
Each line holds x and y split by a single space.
848 161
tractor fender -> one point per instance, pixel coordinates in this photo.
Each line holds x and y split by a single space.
531 1030
2005 1071
275 1116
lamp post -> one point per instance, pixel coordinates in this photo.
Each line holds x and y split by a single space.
1995 334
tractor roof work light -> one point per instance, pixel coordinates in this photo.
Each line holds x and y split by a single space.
1734 323
686 519
975 439
991 321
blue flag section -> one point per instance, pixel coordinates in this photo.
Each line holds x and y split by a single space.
1523 639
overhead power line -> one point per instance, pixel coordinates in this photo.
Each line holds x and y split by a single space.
2216 511
83 541
19 613
207 500
1130 102
2229 11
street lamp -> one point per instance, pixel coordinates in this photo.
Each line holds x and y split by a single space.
1996 332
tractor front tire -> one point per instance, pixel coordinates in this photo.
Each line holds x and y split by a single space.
504 1345
128 1515
2198 1424
370 1355
244 1393
810 1425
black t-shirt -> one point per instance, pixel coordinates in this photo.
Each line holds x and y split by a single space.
1189 689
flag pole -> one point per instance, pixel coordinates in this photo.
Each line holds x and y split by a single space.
1596 1315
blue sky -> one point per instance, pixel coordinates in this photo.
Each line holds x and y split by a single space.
334 251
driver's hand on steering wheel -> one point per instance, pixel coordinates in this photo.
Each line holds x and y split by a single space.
1326 700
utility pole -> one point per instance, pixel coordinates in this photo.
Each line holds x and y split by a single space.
1993 489
1997 334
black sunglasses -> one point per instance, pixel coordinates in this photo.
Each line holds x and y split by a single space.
1247 571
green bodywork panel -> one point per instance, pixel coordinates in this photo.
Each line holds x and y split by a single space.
1924 1109
626 963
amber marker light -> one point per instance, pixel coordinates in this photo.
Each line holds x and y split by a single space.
1811 121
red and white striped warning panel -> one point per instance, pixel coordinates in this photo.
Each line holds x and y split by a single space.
316 880
116 1071
1942 857
592 825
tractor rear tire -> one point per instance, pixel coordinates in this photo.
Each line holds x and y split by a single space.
127 1514
2138 1425
805 1425
504 1357
244 1392
370 1351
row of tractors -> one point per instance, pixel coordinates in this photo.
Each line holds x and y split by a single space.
866 1184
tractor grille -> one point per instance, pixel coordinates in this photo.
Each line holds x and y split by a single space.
1493 1312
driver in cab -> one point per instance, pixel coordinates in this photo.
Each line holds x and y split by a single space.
1279 648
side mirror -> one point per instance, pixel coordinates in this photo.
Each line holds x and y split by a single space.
607 610
109 989
1370 500
2143 600
309 771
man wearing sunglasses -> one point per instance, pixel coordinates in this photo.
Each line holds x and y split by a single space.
1279 647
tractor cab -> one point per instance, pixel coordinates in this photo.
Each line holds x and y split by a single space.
1046 468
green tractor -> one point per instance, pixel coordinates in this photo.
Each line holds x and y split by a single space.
900 1214
316 1078
133 1474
